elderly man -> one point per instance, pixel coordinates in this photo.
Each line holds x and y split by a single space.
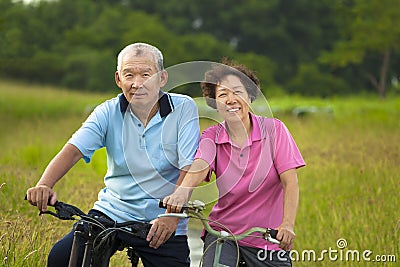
151 138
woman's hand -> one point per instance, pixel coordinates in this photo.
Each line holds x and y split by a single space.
177 200
286 236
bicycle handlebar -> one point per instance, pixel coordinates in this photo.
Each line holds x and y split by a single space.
64 211
195 209
99 233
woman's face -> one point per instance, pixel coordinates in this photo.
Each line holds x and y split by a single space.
232 99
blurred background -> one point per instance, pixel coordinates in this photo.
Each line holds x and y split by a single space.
312 48
330 70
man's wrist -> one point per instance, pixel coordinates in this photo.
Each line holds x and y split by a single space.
43 185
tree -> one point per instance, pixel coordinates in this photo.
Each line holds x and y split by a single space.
370 29
287 32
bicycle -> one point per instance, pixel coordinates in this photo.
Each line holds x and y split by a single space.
194 209
98 233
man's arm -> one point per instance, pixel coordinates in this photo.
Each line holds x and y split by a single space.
43 193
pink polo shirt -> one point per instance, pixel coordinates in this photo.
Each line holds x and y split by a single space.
250 190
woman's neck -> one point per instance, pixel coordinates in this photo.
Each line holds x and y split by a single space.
239 131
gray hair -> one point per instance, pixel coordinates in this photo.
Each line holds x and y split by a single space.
138 49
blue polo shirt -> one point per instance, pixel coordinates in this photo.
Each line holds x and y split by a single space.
143 163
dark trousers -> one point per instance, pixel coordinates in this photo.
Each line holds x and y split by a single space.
173 253
253 257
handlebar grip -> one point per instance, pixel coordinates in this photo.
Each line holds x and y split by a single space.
161 205
273 233
48 203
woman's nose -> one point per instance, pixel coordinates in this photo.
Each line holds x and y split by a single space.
231 98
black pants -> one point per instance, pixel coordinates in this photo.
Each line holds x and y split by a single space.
254 257
173 253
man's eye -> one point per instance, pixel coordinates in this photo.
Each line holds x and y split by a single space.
222 95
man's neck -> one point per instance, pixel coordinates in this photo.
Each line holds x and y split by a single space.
144 114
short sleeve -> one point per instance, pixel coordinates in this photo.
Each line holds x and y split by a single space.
91 135
286 155
207 149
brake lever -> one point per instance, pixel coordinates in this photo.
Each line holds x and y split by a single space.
61 212
64 211
48 212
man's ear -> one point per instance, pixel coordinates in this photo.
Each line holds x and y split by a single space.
163 78
118 80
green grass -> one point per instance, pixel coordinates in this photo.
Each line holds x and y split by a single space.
349 189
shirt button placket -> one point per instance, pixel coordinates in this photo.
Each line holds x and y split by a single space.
243 157
142 140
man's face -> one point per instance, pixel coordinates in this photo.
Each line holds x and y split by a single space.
140 80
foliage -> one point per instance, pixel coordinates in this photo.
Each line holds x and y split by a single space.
79 51
75 43
369 30
311 82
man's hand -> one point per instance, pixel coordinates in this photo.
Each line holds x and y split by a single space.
41 196
161 230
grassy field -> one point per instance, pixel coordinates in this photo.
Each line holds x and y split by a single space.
349 190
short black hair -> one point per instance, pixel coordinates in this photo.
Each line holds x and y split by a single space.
228 67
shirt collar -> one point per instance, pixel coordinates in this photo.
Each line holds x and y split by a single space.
222 135
165 103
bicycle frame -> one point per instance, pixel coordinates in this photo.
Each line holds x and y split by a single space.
69 212
194 210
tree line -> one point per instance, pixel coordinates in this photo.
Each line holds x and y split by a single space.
314 48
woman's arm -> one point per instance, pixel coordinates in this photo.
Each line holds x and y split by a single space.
290 204
196 174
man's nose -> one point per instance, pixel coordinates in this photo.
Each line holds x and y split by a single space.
137 82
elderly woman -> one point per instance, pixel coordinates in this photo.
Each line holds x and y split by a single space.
255 160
